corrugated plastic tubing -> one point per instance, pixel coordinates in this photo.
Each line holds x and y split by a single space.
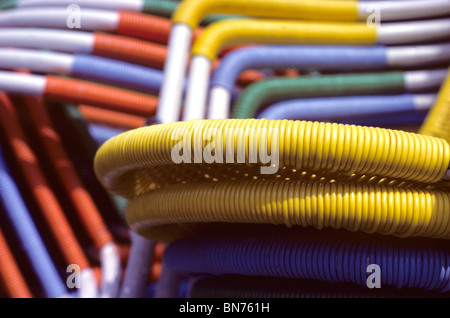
253 97
161 8
81 199
48 203
247 31
144 26
10 274
163 195
339 107
294 56
115 72
129 49
149 27
111 118
437 122
328 260
73 129
76 91
28 235
234 286
134 283
167 8
138 265
192 12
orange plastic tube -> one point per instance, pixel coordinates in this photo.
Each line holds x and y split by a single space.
45 198
250 76
144 26
149 54
111 118
155 271
159 252
130 50
13 282
81 92
80 198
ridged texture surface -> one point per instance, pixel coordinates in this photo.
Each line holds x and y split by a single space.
145 26
45 198
138 165
191 12
76 91
163 8
254 97
235 286
10 275
81 199
339 107
117 73
334 261
131 50
304 57
111 118
437 122
371 209
241 31
28 236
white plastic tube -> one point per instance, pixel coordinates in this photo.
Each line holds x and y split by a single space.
394 10
195 105
22 83
417 55
88 288
110 264
413 32
90 19
58 40
418 80
174 73
117 5
219 103
424 101
36 61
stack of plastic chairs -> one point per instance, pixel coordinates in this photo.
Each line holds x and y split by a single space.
302 142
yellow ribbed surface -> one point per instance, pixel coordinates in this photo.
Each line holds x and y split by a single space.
355 207
138 165
191 12
234 32
437 122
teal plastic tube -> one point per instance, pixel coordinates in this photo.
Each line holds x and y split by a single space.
275 89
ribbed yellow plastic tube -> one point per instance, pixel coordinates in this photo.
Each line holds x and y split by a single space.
244 31
355 207
165 196
191 12
437 122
